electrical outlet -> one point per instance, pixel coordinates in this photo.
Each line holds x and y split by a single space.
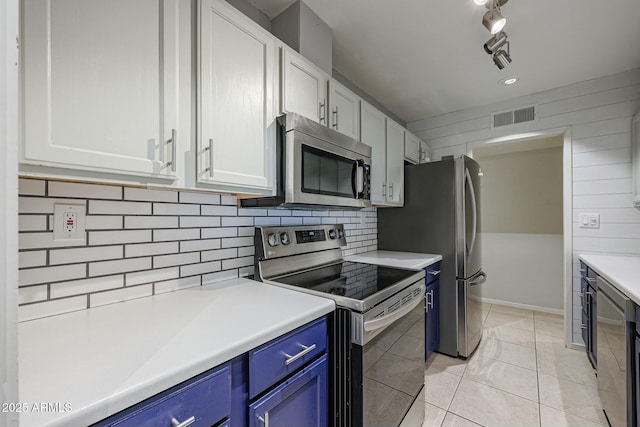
69 222
589 220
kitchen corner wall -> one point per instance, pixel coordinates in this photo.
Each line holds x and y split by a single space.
598 113
142 242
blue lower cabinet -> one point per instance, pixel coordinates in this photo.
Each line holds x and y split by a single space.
432 320
300 401
637 379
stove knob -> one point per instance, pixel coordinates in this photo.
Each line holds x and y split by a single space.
332 234
340 233
272 239
284 238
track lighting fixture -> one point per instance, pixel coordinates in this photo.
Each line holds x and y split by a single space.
480 2
502 58
495 22
495 42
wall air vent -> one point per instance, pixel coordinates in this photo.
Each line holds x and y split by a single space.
513 117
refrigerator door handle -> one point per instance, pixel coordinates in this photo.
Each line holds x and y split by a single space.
479 279
467 178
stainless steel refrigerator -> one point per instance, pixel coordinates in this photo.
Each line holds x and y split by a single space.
441 215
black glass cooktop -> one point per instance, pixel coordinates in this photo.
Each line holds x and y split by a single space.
348 279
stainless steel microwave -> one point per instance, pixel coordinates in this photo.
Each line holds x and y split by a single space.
318 168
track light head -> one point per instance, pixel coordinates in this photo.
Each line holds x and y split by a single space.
495 42
480 2
502 58
493 21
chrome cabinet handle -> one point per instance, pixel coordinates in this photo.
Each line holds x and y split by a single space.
265 420
430 300
323 112
435 272
173 141
210 149
583 326
335 122
290 359
391 191
590 279
384 190
581 270
185 423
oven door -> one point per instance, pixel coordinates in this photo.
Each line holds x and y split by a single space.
393 360
322 173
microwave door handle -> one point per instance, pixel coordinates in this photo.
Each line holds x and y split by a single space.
357 178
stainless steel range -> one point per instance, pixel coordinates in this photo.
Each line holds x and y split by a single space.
379 331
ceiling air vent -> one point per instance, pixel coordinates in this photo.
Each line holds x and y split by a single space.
513 117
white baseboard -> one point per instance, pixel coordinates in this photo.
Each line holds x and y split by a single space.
523 306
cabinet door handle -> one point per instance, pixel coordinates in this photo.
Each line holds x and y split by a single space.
290 359
323 112
185 423
434 272
210 148
582 270
265 420
384 190
590 279
583 326
391 191
430 300
335 121
173 141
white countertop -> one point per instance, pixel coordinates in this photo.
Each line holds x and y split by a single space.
623 272
106 359
396 259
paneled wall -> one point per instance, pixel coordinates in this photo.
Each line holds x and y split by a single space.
598 114
142 242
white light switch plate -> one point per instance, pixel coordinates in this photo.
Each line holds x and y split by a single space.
69 222
589 220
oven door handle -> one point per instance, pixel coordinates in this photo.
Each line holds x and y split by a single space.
384 321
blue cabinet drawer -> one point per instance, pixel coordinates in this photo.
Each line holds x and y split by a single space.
432 272
273 361
300 401
206 397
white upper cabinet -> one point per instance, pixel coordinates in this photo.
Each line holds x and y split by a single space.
344 110
237 109
412 150
372 132
395 163
304 87
425 152
100 81
635 146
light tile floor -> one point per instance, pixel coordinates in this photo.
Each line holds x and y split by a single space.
520 375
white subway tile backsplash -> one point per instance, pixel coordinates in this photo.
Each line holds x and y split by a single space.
202 268
169 239
76 255
199 245
31 187
84 191
121 266
27 294
177 259
177 284
120 295
146 195
103 222
28 259
32 223
199 198
145 249
212 233
178 234
51 308
150 222
199 221
236 242
101 207
219 210
219 254
120 236
38 275
151 276
85 286
175 209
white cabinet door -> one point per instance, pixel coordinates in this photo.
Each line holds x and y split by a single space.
304 87
425 152
395 163
344 110
372 132
236 100
100 83
412 152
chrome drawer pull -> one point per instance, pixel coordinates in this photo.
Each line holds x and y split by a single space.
264 420
430 299
305 350
435 272
582 270
185 423
590 279
583 326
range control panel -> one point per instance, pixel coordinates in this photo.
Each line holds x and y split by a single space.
274 242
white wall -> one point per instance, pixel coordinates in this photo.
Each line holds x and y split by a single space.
598 115
8 207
